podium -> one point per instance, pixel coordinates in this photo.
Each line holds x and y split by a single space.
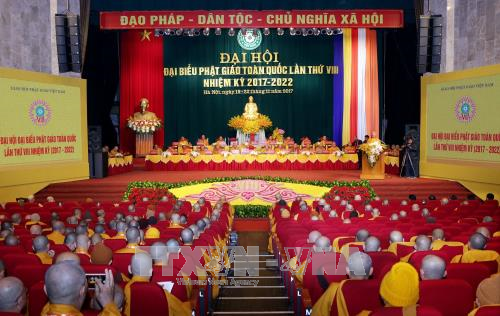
143 144
376 172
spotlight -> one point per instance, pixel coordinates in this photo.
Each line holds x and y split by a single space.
329 31
171 32
266 31
206 31
309 32
292 31
280 31
316 31
196 32
231 32
190 33
158 32
178 32
218 31
298 32
337 31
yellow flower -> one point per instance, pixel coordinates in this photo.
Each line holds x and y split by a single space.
250 126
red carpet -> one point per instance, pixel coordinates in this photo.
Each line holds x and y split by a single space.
112 188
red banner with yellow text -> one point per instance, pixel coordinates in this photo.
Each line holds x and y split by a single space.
252 19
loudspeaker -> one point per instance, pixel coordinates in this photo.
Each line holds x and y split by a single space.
430 32
95 138
68 42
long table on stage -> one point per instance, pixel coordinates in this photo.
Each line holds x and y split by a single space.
256 162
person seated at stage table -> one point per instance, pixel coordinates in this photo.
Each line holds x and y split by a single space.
202 142
115 152
219 145
156 150
350 148
323 144
305 143
184 146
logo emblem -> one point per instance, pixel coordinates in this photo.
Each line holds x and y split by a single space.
465 109
249 39
40 113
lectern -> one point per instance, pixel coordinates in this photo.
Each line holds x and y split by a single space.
377 172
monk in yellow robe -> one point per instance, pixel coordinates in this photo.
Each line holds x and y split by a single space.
488 294
57 235
41 247
141 267
133 236
477 252
66 288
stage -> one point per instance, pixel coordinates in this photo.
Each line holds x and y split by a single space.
112 188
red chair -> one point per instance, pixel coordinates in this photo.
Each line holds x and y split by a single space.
451 297
12 260
398 311
160 275
488 311
7 250
417 257
381 261
115 244
121 261
472 273
147 299
59 249
30 274
84 259
453 251
355 302
36 299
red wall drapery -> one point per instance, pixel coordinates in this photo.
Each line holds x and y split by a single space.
141 76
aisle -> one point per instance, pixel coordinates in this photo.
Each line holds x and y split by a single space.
268 297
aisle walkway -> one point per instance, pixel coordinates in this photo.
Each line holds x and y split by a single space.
267 297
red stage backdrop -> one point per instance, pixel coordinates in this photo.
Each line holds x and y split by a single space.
141 76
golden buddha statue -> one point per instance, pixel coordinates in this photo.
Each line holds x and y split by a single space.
251 109
144 115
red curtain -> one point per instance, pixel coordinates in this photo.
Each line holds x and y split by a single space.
141 76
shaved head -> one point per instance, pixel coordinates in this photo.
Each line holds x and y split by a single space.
422 243
173 246
58 226
70 241
433 268
82 241
362 234
437 234
11 240
359 266
372 244
141 265
313 236
81 229
95 239
322 244
36 230
99 229
121 227
158 251
40 244
187 236
12 295
396 236
484 231
65 283
16 218
477 241
133 235
68 257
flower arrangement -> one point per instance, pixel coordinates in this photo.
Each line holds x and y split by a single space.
143 126
166 153
361 187
306 153
194 154
254 153
373 148
225 153
278 135
338 153
349 192
153 194
250 126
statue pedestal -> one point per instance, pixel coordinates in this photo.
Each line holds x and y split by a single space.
143 144
259 137
376 172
